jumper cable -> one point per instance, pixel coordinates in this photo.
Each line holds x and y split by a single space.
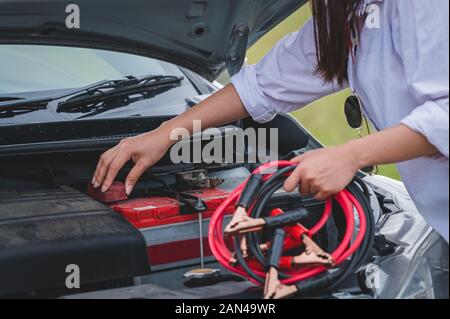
268 259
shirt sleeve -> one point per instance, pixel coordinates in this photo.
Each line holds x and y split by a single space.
422 41
285 79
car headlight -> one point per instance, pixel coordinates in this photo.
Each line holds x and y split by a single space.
410 272
420 285
428 274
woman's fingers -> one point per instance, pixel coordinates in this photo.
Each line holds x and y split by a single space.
103 165
293 181
314 190
299 158
144 150
322 196
136 172
116 165
296 177
322 172
305 187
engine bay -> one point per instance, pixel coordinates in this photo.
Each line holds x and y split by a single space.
152 234
166 220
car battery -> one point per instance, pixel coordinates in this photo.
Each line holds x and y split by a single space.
158 210
170 229
148 212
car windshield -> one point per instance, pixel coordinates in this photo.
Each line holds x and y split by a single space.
34 71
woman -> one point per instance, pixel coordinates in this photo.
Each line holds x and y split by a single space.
399 69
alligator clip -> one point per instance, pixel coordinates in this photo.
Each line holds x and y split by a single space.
239 215
274 289
313 255
241 223
233 261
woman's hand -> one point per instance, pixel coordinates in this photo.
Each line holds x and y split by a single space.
327 171
323 172
144 150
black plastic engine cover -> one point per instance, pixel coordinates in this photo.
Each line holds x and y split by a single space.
42 232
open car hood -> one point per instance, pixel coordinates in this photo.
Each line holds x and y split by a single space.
202 35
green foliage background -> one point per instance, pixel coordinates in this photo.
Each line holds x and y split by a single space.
324 118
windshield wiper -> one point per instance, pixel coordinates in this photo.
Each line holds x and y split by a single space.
19 106
118 93
11 106
10 98
98 96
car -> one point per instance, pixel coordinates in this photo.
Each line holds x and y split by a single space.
70 91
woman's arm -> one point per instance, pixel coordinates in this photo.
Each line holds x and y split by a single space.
145 150
221 108
283 81
327 171
394 145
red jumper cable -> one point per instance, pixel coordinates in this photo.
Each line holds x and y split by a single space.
300 267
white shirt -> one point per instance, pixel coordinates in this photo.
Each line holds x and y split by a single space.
402 76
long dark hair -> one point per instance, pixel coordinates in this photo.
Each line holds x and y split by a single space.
332 34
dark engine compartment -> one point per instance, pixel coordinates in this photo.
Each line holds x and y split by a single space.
48 220
43 232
